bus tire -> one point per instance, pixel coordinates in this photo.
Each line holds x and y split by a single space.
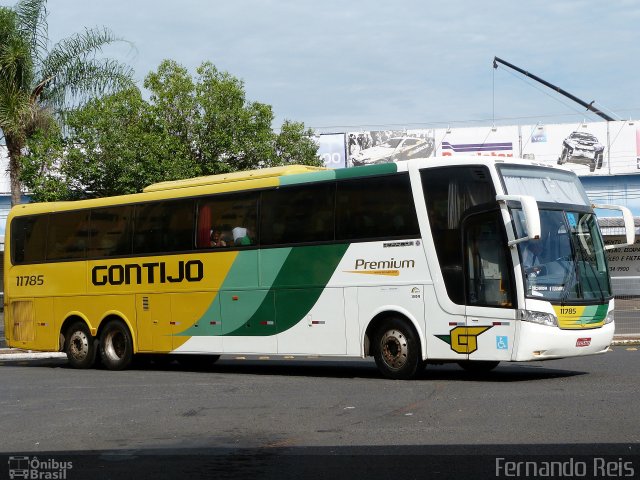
116 346
478 366
397 350
80 346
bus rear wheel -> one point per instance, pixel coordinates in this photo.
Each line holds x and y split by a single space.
397 350
116 346
80 346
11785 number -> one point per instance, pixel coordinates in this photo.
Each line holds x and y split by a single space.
29 280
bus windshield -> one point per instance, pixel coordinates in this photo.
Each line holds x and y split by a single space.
545 184
568 262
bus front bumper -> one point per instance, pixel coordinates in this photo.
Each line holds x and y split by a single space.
541 342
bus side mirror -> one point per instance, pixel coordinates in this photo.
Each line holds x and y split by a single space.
629 224
531 215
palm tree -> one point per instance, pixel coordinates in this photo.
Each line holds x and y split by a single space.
38 83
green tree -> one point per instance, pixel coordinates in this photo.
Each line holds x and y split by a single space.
120 143
222 129
37 84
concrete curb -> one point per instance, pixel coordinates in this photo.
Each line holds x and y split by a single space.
624 342
17 354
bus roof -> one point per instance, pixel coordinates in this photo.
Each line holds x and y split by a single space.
232 177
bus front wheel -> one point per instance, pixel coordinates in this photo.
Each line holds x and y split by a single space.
116 346
397 350
80 346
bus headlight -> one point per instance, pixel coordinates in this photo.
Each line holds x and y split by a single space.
541 318
609 318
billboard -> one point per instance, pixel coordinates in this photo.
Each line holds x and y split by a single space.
588 149
331 149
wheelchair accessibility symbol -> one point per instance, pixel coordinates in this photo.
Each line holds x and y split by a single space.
502 343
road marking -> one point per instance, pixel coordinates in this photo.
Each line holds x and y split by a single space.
631 349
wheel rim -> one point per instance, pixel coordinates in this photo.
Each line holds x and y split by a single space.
114 345
395 351
79 345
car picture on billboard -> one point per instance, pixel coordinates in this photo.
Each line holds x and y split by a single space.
582 148
373 147
579 147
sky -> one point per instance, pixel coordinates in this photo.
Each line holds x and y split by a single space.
350 64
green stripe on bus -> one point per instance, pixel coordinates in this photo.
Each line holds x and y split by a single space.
365 171
308 177
339 173
594 314
312 266
284 272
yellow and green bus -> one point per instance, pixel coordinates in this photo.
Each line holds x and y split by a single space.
416 262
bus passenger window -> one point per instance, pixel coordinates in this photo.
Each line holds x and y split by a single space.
68 235
380 207
110 232
487 274
449 192
227 220
297 214
163 227
28 239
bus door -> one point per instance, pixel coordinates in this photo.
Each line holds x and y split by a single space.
489 289
155 329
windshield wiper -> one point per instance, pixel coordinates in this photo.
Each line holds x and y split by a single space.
568 283
594 273
583 258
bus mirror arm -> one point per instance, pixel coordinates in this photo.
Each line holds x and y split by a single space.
531 216
629 224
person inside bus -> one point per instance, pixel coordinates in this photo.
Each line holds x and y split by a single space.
537 252
241 236
536 255
216 238
532 253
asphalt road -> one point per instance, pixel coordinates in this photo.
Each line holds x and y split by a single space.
258 403
576 406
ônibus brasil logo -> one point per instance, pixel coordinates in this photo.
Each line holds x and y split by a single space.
37 469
